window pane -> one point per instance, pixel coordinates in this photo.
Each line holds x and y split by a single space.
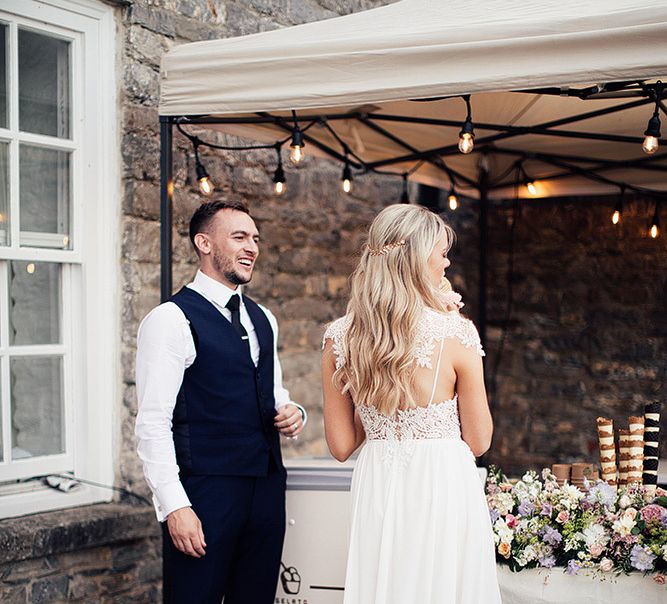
34 303
4 194
45 197
44 84
3 76
37 409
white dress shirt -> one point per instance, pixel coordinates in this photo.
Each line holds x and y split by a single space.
165 349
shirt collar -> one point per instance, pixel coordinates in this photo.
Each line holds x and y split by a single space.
213 290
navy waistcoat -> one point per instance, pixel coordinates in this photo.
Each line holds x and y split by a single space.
223 418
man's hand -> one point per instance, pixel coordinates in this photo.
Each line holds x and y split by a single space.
289 421
186 532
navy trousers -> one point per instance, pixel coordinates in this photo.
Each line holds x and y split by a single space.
243 520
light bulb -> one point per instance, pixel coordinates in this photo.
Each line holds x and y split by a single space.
532 189
650 144
616 217
655 231
347 185
279 188
453 201
206 186
296 154
466 142
30 268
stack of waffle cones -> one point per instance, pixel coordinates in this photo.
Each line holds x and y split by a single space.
637 449
607 450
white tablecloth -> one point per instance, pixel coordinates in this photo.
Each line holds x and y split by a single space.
533 586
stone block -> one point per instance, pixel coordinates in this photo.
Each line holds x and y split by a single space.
141 83
307 308
13 594
141 240
152 18
142 199
241 21
50 590
146 45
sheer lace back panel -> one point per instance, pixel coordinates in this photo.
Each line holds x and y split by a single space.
436 419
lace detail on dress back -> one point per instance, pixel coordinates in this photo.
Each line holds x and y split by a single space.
438 420
433 327
434 421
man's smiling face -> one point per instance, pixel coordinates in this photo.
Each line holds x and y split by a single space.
231 247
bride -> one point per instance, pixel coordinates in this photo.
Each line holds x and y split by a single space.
402 370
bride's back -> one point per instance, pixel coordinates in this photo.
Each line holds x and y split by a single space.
439 342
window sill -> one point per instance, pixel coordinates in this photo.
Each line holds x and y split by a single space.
49 533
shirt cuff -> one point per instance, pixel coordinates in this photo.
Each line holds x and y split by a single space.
168 498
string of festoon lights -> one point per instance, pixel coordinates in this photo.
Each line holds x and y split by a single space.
466 144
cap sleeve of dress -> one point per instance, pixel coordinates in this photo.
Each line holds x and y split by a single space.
469 336
336 332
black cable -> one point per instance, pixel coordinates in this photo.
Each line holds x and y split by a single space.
100 485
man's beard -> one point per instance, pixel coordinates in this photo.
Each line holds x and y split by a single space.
226 267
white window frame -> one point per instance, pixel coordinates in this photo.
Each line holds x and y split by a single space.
90 278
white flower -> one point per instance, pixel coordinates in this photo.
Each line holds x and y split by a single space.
529 553
624 501
595 534
624 525
504 503
503 533
571 492
664 552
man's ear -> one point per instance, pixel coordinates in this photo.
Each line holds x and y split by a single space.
203 243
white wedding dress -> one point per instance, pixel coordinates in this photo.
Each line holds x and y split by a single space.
421 531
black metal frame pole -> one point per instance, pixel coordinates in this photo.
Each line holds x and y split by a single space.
166 198
483 245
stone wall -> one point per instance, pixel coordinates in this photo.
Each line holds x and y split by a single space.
309 234
587 334
96 554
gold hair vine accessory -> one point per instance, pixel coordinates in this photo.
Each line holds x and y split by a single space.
385 249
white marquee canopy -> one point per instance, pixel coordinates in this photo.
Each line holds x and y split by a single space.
388 82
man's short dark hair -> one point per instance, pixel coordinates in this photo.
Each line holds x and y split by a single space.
203 215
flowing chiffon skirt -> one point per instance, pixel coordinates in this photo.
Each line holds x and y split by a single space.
421 531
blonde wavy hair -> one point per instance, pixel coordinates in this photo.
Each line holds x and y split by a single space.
390 289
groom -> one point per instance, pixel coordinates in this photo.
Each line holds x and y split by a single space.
211 406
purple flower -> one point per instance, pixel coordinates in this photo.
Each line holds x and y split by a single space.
601 493
573 567
494 515
547 509
526 508
641 558
548 561
551 536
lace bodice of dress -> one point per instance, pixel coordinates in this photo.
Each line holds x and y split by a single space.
437 420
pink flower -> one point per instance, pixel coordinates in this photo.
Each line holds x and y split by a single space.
563 516
452 300
660 579
606 565
630 513
596 550
510 520
651 512
505 487
660 492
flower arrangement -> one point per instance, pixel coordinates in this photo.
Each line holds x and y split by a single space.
538 523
